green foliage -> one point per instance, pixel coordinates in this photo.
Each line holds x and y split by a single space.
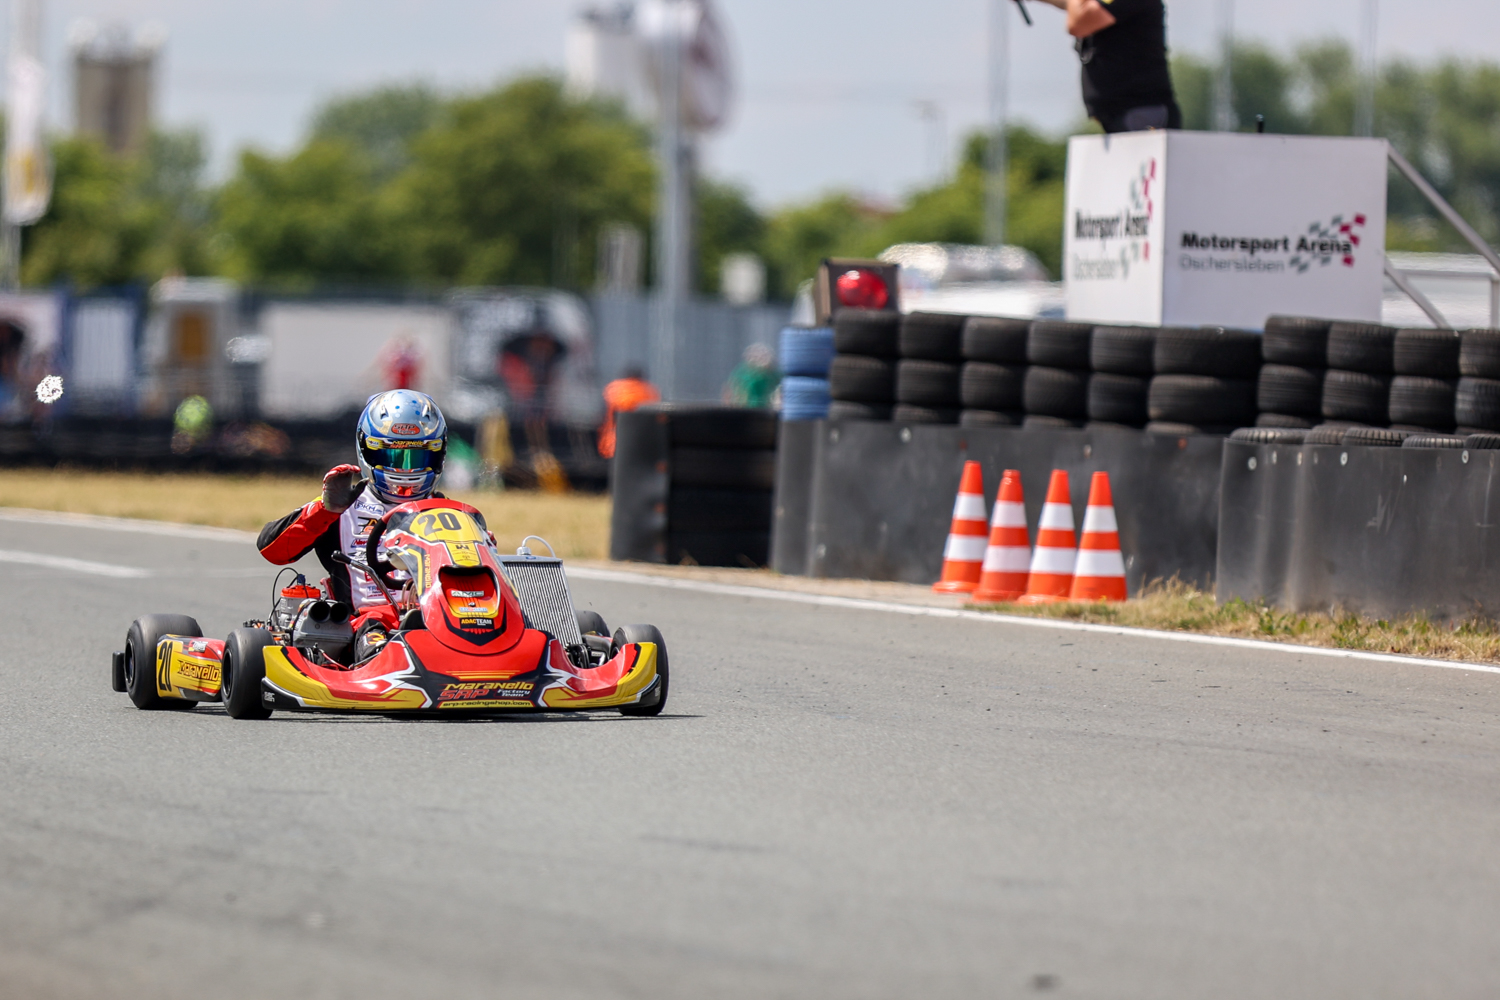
381 123
726 223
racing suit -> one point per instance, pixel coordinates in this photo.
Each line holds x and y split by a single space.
313 528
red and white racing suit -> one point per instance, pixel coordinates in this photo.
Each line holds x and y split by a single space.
313 529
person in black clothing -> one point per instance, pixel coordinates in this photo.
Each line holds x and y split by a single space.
1123 47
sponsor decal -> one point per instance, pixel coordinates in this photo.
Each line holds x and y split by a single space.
406 429
205 673
476 623
1129 227
1322 244
467 593
479 690
488 703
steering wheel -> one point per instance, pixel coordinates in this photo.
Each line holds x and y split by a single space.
378 566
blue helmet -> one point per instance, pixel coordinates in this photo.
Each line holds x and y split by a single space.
402 438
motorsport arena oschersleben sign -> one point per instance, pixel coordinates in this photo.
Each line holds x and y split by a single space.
1217 228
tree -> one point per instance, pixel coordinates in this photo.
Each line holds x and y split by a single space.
381 124
512 187
725 222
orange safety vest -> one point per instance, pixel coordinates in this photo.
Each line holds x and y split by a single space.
621 396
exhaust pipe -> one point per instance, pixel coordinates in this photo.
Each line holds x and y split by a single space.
318 611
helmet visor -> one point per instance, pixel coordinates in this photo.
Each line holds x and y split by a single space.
418 459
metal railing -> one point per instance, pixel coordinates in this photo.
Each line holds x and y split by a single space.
1402 279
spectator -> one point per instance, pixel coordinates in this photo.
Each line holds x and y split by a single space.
629 391
754 380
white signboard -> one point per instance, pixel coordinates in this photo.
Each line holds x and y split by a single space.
1212 228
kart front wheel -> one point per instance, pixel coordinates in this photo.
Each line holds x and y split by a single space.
140 658
626 634
242 670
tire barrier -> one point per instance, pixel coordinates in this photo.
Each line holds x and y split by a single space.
867 332
881 494
694 484
996 340
1055 392
1476 404
804 398
931 337
1380 531
1432 353
805 351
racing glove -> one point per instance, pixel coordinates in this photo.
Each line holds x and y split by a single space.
341 487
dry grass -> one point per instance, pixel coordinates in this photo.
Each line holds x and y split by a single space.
1176 607
576 524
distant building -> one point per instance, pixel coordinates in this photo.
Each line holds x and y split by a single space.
114 85
606 59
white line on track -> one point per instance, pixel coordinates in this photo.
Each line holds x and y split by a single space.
862 604
726 589
44 561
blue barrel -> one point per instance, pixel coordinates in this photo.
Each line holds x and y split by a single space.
804 398
806 351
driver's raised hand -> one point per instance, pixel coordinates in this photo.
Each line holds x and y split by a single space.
341 487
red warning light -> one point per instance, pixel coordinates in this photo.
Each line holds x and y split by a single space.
862 289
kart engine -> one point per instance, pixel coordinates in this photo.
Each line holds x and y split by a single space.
324 626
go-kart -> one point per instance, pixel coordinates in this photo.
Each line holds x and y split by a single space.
475 631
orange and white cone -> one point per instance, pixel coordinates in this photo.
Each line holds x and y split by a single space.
1008 558
1099 574
1051 576
963 556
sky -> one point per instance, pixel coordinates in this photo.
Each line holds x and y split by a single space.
865 95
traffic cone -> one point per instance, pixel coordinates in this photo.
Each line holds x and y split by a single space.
1100 572
1008 557
1051 576
964 554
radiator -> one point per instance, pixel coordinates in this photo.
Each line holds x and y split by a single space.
542 588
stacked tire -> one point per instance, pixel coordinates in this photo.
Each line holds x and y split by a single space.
1477 394
992 380
1055 390
862 375
1123 361
805 354
1289 389
1357 385
1205 381
928 373
1425 383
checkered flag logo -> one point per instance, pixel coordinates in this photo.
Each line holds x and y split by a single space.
1338 231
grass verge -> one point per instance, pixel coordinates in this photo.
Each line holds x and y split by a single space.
576 524
1176 607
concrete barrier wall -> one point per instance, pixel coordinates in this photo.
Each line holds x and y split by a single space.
1381 531
882 495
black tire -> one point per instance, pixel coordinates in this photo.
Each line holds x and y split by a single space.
1479 353
931 336
724 468
1202 400
1056 344
1329 434
243 669
1269 435
1210 350
718 510
986 386
1433 353
990 418
844 409
1477 403
1173 428
591 623
1482 441
1362 347
927 383
1056 392
645 633
696 426
1042 422
1423 402
1123 350
1288 389
1375 437
1433 441
996 340
871 332
1356 396
140 659
910 413
1296 340
1284 420
1118 399
860 379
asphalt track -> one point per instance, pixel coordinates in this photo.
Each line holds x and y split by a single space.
841 802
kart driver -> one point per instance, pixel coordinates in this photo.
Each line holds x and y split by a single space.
402 439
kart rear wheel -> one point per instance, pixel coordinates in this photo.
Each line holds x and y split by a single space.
645 633
140 659
243 668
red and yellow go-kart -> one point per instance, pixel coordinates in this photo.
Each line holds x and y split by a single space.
475 631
